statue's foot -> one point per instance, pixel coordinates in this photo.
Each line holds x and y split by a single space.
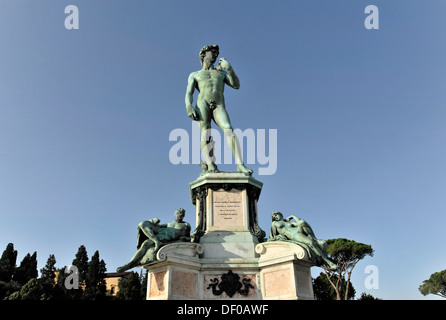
212 168
244 169
331 266
121 269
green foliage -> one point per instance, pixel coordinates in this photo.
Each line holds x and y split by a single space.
15 296
27 269
95 286
130 287
61 292
21 283
81 262
8 263
32 290
367 296
348 251
346 254
8 288
143 278
323 290
436 284
48 272
37 289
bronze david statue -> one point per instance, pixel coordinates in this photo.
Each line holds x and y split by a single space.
210 82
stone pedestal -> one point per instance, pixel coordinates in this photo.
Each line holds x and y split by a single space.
284 271
227 228
175 274
281 272
226 214
179 274
228 258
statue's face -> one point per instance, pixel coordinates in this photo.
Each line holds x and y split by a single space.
277 216
211 55
179 215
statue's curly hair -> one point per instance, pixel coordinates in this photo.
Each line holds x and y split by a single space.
180 210
208 48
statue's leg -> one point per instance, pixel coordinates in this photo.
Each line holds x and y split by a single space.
147 230
221 118
322 254
136 259
205 133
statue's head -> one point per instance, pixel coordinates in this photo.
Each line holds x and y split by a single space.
276 216
209 48
179 214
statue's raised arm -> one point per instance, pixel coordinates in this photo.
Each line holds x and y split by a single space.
231 78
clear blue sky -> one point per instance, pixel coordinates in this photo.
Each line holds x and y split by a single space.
85 118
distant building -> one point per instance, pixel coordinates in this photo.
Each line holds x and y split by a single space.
111 282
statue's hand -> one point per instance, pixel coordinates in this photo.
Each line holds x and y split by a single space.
192 113
223 64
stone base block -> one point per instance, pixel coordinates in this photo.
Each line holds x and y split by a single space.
175 274
228 244
284 271
281 271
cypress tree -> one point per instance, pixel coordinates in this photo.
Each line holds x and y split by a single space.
143 278
27 269
8 263
95 286
81 262
48 272
61 292
129 287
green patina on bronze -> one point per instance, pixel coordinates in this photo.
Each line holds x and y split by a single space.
210 83
152 235
302 234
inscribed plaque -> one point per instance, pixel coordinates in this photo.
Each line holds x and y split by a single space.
228 208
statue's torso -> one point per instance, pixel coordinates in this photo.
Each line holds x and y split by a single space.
211 85
286 229
173 231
